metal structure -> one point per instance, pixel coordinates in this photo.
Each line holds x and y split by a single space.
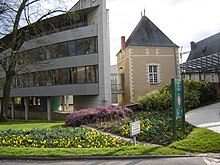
205 64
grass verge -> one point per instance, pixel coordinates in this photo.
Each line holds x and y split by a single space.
200 140
62 152
28 125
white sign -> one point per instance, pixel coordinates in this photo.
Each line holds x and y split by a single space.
135 128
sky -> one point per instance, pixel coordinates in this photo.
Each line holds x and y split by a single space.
182 21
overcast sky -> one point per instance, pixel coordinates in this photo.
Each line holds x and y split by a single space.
182 21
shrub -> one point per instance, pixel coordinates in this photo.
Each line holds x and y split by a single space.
155 101
97 115
196 93
191 100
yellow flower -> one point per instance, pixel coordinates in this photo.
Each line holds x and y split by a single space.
30 141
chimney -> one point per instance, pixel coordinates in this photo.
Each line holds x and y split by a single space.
193 45
122 42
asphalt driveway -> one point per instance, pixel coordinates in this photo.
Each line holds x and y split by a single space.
206 117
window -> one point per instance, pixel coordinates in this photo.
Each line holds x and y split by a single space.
86 46
52 77
2 81
48 52
90 74
74 75
60 50
153 73
80 45
90 44
81 76
72 48
62 75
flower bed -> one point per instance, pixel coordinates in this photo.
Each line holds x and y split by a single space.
59 138
156 127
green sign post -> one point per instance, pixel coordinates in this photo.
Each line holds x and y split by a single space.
178 104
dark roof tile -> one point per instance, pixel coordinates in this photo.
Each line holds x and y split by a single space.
208 46
147 33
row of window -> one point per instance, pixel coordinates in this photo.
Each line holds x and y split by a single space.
74 75
59 50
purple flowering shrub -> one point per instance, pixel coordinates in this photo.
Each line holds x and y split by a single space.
97 115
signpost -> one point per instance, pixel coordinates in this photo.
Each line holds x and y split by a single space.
178 104
135 129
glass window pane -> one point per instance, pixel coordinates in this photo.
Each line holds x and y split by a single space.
48 52
81 76
97 73
74 75
81 49
42 79
72 48
155 78
155 68
90 74
63 76
90 44
2 81
33 56
41 54
24 79
60 50
150 69
52 77
30 83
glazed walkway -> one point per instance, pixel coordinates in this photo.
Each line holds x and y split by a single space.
206 117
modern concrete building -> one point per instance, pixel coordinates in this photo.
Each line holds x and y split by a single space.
148 60
66 58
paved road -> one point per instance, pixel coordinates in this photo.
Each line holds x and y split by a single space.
206 117
160 161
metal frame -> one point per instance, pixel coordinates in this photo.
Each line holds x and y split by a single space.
206 64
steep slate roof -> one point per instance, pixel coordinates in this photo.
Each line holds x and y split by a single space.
147 33
208 46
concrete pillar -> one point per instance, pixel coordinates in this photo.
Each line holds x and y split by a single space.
26 106
73 103
67 101
48 109
63 103
12 108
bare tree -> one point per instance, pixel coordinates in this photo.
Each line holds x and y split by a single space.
20 19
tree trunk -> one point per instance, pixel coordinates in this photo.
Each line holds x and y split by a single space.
7 88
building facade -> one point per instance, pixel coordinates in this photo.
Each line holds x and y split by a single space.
148 60
203 62
71 59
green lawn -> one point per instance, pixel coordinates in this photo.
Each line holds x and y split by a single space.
121 151
200 140
27 125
